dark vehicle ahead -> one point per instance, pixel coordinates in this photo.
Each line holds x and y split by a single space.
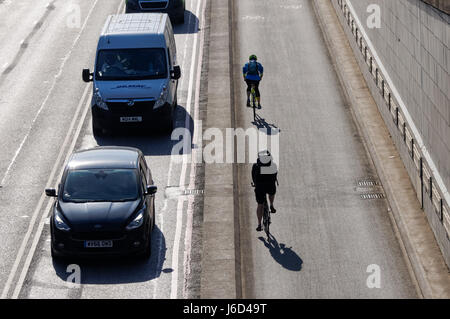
174 8
104 205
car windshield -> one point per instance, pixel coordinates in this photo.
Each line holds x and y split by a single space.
101 185
131 64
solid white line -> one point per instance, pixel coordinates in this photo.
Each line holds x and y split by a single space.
41 200
169 175
177 239
198 148
55 78
41 224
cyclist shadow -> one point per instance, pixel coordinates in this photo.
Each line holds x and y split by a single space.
283 255
261 124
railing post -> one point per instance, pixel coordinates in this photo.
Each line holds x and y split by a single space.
421 182
396 116
365 54
376 76
412 149
382 90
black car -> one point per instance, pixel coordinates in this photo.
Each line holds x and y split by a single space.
105 204
174 8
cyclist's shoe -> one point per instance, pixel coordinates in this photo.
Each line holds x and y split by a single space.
273 210
259 106
259 228
248 103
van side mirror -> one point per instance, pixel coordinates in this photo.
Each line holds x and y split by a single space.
176 73
87 76
151 190
50 192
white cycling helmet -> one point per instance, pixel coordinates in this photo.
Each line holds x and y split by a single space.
264 157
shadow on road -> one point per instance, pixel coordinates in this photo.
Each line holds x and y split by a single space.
190 21
261 124
152 143
115 270
283 255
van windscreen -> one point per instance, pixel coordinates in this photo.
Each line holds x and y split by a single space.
131 64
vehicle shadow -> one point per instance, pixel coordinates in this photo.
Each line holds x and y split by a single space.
153 143
262 125
119 270
283 255
190 21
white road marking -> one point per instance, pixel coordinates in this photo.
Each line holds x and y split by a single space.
41 201
45 218
169 175
196 139
47 97
177 237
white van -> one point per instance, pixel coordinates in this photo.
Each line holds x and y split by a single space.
136 73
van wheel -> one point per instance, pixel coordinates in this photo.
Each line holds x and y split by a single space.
98 131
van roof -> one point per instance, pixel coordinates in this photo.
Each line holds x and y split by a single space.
135 23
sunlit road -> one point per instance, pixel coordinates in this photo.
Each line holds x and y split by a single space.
325 235
45 115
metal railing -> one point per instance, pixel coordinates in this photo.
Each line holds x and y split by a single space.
429 185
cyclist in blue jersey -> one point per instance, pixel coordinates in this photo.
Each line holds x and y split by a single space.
253 73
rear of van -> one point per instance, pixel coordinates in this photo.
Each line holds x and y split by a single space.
135 76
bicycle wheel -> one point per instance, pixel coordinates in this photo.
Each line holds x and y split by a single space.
253 102
266 219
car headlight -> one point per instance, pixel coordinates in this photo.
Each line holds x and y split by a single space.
132 4
60 223
162 98
137 221
99 101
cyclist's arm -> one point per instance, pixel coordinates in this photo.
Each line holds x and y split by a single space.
245 71
254 173
261 70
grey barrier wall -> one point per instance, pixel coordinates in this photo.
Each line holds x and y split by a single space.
443 5
409 108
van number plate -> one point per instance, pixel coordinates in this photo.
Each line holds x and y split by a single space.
131 119
98 243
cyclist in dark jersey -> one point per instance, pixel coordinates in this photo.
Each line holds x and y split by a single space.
253 72
264 176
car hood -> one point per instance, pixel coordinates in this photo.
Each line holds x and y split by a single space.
143 89
98 216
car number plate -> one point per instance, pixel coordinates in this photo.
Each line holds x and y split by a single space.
131 119
98 243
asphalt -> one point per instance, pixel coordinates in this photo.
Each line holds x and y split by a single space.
45 116
326 236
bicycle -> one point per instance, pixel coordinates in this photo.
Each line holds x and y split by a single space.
253 100
266 216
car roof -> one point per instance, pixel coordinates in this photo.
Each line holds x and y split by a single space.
105 157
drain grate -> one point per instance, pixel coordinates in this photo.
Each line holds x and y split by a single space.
367 183
187 192
372 196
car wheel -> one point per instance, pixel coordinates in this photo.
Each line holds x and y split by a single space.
148 250
153 219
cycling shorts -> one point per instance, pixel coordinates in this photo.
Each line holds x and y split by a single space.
261 192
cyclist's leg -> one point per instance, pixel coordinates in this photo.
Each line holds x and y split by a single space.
248 91
272 193
258 95
260 198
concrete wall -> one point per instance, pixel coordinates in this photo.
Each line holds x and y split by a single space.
413 43
413 70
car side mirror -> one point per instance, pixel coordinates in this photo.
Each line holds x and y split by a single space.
87 76
151 190
176 73
50 192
